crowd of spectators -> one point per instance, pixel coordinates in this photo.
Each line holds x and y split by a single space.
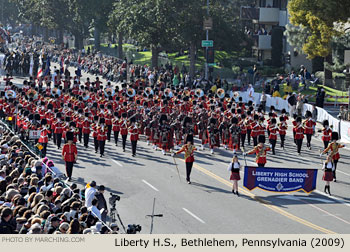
34 199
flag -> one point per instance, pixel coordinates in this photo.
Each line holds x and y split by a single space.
62 65
47 67
31 65
40 71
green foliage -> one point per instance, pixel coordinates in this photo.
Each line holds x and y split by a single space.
319 18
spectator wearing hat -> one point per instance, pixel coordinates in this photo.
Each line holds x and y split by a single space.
102 204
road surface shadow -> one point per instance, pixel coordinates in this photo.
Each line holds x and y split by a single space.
210 188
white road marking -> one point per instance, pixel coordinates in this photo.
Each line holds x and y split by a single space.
144 181
333 197
347 174
193 215
115 161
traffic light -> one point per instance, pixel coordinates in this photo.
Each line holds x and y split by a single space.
210 55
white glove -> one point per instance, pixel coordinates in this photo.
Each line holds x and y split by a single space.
321 154
271 146
244 154
173 154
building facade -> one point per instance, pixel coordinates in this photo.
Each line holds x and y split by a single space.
260 19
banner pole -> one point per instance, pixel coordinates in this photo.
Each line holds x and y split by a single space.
244 156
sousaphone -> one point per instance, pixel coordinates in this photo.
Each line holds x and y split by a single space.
148 91
220 93
131 92
199 92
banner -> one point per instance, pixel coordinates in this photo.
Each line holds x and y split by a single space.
280 180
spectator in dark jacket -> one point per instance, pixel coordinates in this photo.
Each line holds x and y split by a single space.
6 226
102 204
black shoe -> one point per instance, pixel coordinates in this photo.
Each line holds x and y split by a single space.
188 182
123 150
233 191
69 179
101 155
325 189
237 193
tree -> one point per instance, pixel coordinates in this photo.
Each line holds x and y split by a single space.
149 22
323 20
9 12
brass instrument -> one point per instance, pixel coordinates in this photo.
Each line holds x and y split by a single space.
148 91
168 93
187 92
221 93
199 92
131 92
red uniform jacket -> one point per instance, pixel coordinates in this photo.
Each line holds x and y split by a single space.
260 153
102 134
326 134
134 133
68 152
299 132
123 128
282 128
44 138
308 124
86 127
273 132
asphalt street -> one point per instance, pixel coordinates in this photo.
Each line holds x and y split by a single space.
208 205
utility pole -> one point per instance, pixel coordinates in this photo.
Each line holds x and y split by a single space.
2 13
207 37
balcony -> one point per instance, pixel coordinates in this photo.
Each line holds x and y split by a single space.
261 15
262 42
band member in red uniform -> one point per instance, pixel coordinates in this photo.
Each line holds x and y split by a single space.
86 130
116 127
44 138
69 154
243 129
299 134
94 127
334 148
309 128
134 135
59 129
124 129
255 130
102 136
326 133
328 168
273 134
189 149
260 151
282 129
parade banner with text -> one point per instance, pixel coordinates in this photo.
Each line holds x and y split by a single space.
280 180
